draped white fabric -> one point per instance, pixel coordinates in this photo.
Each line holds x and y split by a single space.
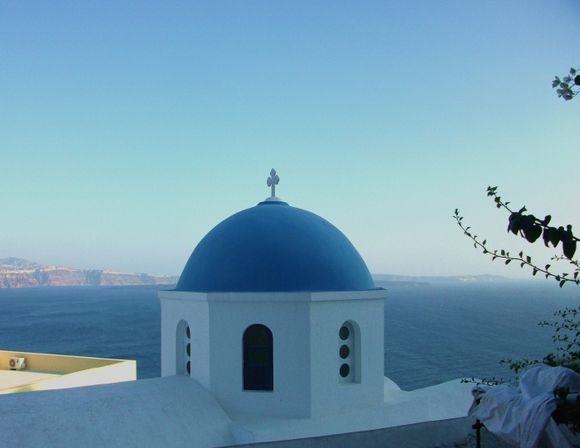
521 414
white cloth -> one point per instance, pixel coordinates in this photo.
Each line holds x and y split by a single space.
520 414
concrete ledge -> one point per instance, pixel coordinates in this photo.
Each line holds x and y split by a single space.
418 435
49 371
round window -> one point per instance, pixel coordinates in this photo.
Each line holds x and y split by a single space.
344 370
344 351
344 333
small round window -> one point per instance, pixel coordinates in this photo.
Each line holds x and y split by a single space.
183 348
188 350
348 369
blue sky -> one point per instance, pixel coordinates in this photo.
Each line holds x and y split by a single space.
129 129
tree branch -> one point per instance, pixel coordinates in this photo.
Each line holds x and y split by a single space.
492 191
521 258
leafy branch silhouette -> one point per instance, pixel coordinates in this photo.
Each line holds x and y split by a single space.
567 87
566 327
530 228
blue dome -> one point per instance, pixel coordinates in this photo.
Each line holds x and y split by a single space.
275 247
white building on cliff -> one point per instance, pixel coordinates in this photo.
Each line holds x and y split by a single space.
274 332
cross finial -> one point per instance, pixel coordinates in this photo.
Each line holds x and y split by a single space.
272 182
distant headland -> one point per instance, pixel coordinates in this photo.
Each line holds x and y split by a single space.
20 273
408 280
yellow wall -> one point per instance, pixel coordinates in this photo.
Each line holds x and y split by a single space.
72 371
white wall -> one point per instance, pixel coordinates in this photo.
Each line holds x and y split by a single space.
305 336
157 412
329 394
194 309
287 316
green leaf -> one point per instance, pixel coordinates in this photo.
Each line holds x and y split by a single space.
562 284
547 220
508 261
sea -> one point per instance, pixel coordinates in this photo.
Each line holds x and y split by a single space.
434 332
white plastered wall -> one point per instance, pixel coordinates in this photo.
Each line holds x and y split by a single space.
194 309
329 312
287 316
305 336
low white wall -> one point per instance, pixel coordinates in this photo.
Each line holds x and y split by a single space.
418 435
70 371
159 412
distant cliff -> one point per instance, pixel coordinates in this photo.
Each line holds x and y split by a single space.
19 273
401 280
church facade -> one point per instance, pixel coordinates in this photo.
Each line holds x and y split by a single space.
277 314
275 331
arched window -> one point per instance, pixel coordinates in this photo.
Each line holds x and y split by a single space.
183 349
349 353
258 358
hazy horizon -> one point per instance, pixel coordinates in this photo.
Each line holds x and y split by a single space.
130 131
376 275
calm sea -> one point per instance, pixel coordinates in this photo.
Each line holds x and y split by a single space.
432 333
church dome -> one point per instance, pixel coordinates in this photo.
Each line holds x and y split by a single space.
275 247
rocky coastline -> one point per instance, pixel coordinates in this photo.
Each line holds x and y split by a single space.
19 273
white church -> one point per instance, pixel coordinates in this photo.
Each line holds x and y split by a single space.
274 333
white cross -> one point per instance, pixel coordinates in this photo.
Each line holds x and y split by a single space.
273 181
